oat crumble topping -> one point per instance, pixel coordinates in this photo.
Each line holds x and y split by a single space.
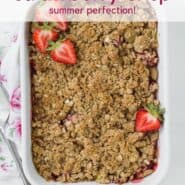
83 122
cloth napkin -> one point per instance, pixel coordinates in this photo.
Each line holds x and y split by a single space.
10 79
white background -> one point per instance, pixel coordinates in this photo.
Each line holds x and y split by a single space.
176 174
15 10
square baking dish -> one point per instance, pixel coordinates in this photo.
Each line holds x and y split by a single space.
29 169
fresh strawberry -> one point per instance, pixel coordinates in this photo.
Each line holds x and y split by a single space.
42 35
43 14
149 118
62 25
63 52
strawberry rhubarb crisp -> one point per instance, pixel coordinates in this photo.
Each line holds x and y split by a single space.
96 113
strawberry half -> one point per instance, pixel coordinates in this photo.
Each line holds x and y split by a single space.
43 14
42 35
63 52
62 25
149 118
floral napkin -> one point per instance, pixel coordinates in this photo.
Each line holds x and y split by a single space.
9 78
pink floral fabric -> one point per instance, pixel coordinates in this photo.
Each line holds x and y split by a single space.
3 78
15 101
18 127
9 78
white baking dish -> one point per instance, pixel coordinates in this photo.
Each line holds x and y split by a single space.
28 165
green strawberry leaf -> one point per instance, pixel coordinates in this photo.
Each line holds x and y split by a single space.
156 111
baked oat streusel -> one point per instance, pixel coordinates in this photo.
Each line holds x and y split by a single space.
83 123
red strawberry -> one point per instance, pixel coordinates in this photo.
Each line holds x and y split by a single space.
149 119
43 14
63 52
62 25
42 36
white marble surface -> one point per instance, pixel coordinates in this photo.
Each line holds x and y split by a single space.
176 174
